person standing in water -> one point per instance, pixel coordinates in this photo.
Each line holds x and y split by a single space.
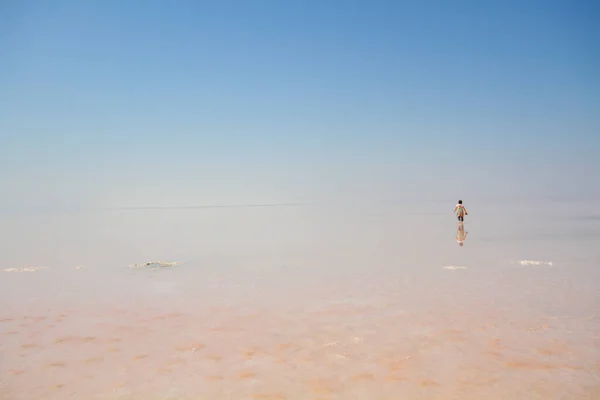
460 211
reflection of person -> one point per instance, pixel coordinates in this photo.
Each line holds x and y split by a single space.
460 211
461 235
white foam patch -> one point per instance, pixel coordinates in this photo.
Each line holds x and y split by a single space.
25 269
535 262
454 268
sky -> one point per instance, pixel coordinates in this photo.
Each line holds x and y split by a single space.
154 103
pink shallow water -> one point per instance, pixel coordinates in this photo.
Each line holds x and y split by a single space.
303 305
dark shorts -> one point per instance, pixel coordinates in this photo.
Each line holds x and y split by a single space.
461 218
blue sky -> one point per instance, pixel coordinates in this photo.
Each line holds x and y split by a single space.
137 103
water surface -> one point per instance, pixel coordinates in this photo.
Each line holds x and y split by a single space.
302 302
